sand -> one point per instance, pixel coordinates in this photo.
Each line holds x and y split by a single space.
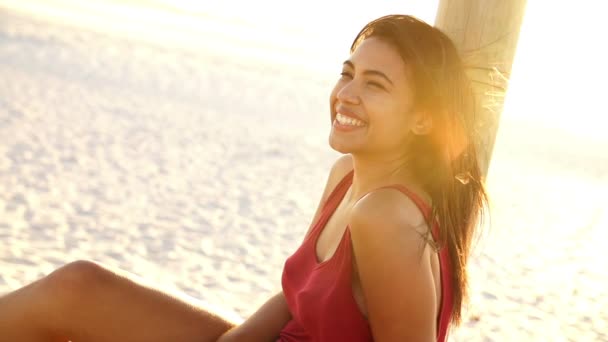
200 170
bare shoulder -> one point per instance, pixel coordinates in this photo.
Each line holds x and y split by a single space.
342 166
394 266
389 211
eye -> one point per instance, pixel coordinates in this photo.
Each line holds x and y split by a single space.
375 85
346 74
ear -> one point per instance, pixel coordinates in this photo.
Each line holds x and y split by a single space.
423 123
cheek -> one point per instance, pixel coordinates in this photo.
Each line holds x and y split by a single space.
391 121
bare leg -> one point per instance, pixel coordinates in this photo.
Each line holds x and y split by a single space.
84 301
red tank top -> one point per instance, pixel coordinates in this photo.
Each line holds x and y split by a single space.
319 295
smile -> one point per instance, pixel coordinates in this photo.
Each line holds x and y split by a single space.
348 121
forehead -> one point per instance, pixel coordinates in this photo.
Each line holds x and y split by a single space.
377 54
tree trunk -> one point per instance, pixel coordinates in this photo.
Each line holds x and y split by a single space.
486 33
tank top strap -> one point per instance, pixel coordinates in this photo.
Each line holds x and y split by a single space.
422 205
339 191
332 202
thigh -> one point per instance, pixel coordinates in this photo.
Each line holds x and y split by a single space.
96 303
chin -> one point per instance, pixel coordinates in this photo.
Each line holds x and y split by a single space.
340 146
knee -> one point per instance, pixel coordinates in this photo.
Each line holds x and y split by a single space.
76 280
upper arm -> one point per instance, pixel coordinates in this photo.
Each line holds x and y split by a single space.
393 262
340 168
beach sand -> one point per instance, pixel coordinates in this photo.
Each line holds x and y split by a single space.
201 171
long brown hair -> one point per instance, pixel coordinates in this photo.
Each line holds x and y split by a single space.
445 160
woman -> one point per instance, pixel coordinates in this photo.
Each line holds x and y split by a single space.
385 258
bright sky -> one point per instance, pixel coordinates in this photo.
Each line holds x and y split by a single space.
558 77
560 72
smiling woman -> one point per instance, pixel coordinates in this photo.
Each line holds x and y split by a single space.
385 257
402 112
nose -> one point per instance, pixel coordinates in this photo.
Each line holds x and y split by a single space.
348 93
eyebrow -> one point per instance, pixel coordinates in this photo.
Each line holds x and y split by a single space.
370 72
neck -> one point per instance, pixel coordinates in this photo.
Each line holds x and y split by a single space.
372 173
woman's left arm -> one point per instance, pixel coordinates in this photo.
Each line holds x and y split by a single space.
393 261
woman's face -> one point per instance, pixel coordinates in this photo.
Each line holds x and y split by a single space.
371 104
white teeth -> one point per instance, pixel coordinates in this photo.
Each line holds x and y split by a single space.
345 120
